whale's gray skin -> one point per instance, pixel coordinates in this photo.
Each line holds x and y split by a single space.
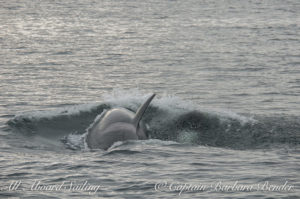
118 124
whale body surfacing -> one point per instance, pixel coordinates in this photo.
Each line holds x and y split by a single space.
118 124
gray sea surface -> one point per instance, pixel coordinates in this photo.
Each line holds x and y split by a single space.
225 122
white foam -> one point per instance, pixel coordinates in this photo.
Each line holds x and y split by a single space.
132 98
125 98
140 143
152 142
174 104
115 145
75 141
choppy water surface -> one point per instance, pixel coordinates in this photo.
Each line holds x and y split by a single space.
225 123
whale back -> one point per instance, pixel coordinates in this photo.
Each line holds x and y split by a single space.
116 115
118 124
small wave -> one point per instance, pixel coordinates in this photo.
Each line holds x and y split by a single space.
122 152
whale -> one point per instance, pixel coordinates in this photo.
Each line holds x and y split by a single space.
118 124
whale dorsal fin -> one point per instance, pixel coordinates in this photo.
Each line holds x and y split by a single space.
140 112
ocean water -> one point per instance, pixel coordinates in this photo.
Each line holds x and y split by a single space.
225 122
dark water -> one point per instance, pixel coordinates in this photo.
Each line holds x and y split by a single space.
225 123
